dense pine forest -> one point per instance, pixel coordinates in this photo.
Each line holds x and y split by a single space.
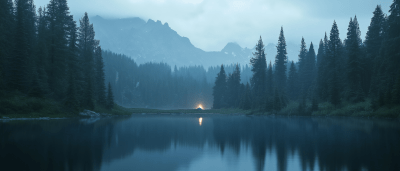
158 85
48 63
351 76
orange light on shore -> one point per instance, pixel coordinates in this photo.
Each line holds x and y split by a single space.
200 106
200 121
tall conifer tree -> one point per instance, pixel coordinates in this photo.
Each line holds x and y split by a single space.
219 90
100 78
258 81
246 104
110 97
373 42
280 63
354 71
310 66
292 84
334 54
59 21
42 50
390 48
87 45
270 81
323 72
302 66
233 84
6 39
19 63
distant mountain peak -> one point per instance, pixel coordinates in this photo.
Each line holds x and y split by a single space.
98 17
231 47
166 24
158 42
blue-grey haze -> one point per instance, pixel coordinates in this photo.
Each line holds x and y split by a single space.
211 24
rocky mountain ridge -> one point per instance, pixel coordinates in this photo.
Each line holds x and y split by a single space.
153 41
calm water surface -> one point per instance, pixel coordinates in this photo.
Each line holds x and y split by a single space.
188 143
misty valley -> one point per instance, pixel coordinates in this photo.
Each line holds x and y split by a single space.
81 91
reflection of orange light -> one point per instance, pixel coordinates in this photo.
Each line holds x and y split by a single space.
200 121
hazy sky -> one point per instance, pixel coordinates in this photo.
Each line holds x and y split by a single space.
211 24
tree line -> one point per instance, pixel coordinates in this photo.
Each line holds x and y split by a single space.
159 85
156 85
351 70
44 54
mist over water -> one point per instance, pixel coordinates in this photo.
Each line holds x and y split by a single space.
182 142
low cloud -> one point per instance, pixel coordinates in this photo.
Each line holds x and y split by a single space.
211 24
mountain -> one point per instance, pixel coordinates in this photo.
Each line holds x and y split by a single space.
153 41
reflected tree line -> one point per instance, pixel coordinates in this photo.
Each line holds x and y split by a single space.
333 144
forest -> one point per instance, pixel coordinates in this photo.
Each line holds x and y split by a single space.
47 63
158 85
351 76
48 59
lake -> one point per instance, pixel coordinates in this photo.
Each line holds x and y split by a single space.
200 142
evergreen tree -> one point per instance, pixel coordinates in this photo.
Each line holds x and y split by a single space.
58 20
110 97
270 89
319 56
309 71
87 44
335 52
390 49
322 80
396 92
35 89
75 86
354 71
280 63
72 100
233 85
270 81
373 42
41 50
314 105
219 90
292 83
302 109
277 102
6 38
258 81
99 78
246 104
302 66
19 63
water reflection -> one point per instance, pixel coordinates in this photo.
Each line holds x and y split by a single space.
175 143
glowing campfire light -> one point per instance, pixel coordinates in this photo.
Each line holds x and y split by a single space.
200 121
200 106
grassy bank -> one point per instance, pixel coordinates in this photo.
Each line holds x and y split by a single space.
18 106
361 109
31 107
188 111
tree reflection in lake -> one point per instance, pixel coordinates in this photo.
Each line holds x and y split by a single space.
175 143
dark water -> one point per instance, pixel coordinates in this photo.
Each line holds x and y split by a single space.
178 143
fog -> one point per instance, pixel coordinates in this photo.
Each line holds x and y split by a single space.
211 24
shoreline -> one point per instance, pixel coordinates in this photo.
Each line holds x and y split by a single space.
144 111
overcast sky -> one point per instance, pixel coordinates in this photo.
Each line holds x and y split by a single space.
211 24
